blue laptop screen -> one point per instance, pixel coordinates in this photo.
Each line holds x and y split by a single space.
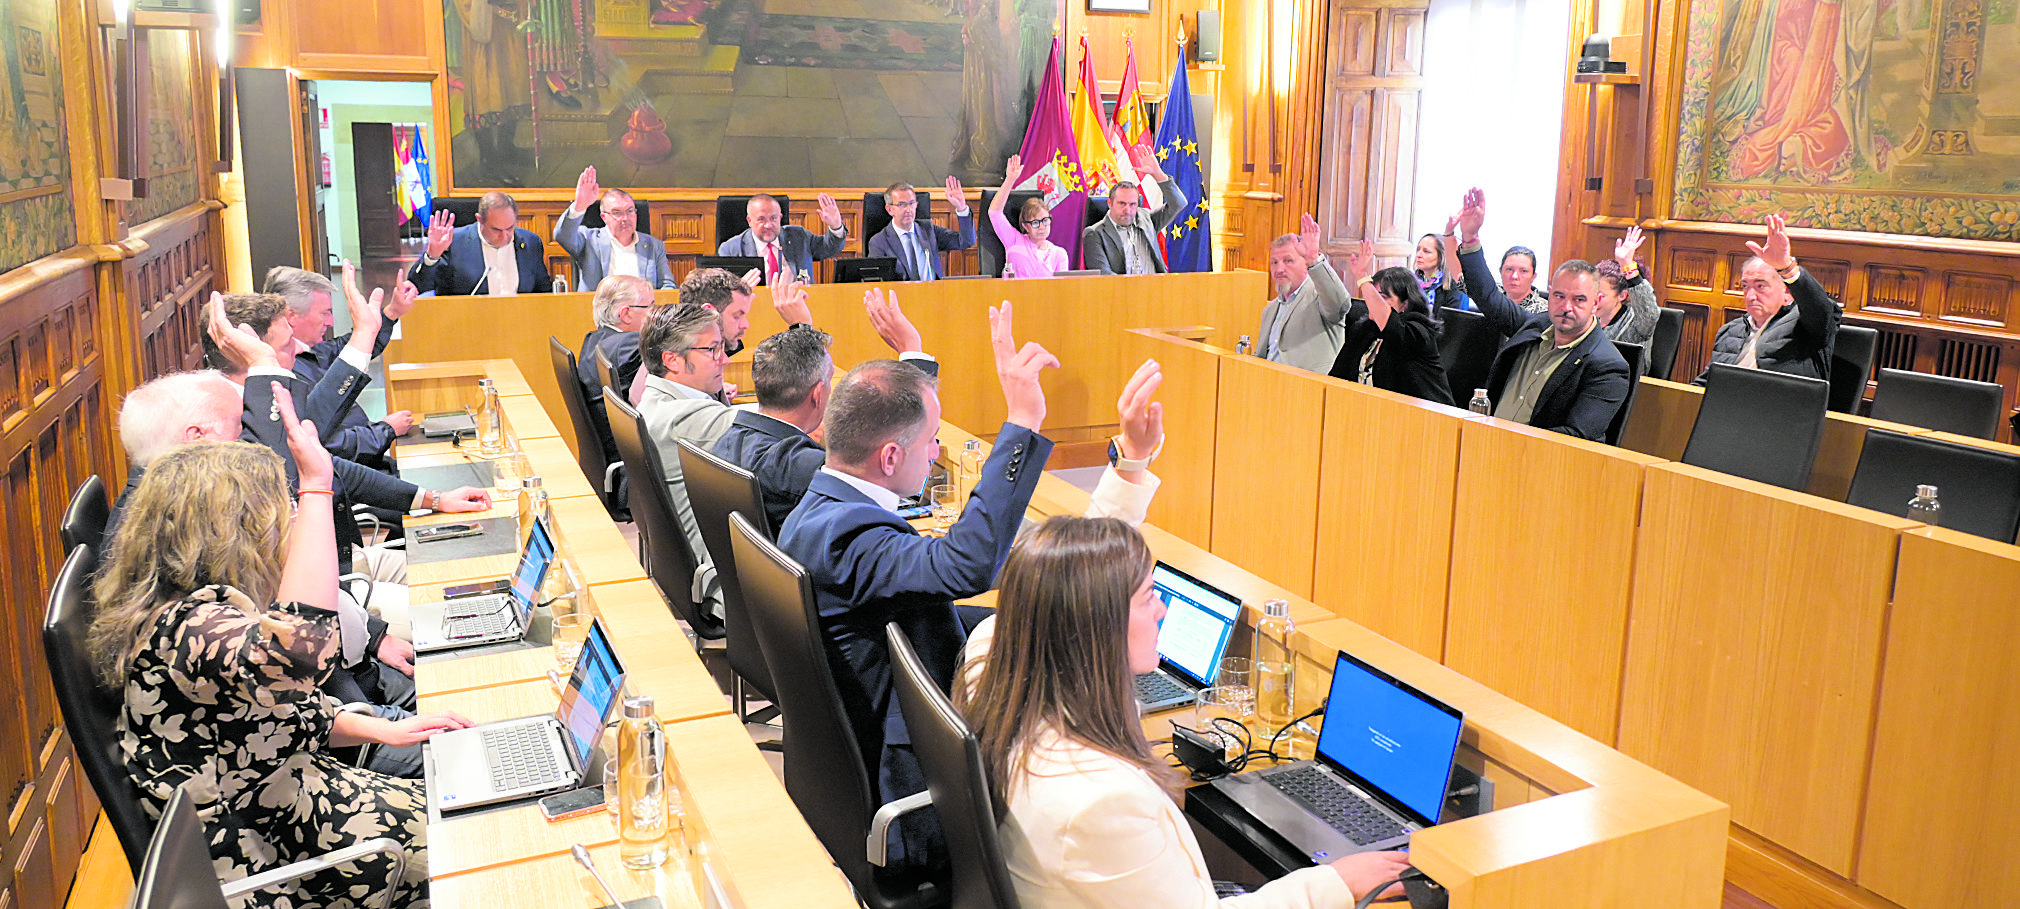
1198 620
1391 736
532 570
592 691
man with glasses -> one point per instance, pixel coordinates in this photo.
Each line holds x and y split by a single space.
682 349
916 246
617 248
782 247
619 307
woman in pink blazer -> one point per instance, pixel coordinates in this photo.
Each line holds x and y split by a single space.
1028 247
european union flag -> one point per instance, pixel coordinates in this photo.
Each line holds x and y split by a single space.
1188 243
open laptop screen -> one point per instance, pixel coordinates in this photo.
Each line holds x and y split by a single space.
532 570
1390 736
1198 620
592 691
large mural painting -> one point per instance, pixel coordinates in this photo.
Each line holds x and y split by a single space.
769 93
36 217
169 159
1892 116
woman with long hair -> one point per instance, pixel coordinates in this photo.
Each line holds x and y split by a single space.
1442 287
1089 814
219 641
1391 342
1027 249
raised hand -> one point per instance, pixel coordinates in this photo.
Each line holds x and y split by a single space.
789 297
441 231
1776 252
1013 171
891 322
956 198
366 313
1361 262
1623 251
1472 214
1142 418
312 460
1018 370
1149 158
403 300
239 344
751 278
1308 238
831 213
586 190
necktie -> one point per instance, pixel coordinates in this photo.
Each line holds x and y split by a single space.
922 267
772 250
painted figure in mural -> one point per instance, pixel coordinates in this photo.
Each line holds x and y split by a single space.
1799 123
496 92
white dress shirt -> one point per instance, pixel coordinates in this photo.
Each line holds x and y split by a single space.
623 260
501 264
885 499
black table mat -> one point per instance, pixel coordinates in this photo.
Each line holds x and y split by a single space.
499 536
451 476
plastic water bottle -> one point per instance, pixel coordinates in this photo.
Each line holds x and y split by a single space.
1009 270
1480 404
532 506
641 787
1241 347
490 421
1271 658
970 468
1924 507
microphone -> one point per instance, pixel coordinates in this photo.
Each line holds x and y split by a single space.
486 276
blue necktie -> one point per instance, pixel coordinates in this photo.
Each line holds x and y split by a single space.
922 267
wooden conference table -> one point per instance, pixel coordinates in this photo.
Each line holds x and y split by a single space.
1576 823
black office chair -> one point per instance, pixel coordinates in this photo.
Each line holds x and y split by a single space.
1663 345
596 463
1096 210
1978 488
825 774
1633 353
731 217
989 247
90 710
715 490
593 217
606 372
85 518
876 217
1466 347
1759 425
952 762
176 872
1942 403
662 545
1851 365
462 209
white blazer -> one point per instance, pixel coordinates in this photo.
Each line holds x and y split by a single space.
1085 829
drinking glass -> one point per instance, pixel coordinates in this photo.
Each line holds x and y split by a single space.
946 505
570 632
1222 702
507 471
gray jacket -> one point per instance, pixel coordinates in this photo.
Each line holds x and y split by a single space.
673 412
1797 341
1314 321
590 247
1101 243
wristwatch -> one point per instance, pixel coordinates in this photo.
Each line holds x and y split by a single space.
1117 461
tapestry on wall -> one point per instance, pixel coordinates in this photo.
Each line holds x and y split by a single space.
36 218
697 93
170 162
1891 116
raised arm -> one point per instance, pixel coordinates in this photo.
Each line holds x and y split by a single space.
568 231
1817 314
1335 297
309 574
1501 312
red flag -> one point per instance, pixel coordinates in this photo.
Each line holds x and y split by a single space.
1052 161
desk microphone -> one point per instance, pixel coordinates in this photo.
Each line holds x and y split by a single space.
486 276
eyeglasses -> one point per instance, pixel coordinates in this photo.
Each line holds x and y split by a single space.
713 349
912 204
1045 220
631 306
620 212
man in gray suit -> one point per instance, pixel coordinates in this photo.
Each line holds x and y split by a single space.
1125 242
1307 322
614 249
786 246
682 349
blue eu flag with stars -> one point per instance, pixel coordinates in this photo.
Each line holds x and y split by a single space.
1188 242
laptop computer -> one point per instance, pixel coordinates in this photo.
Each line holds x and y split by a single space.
1384 764
1198 621
512 759
492 618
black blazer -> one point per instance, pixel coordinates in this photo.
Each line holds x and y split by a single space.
1408 362
459 270
1585 391
782 458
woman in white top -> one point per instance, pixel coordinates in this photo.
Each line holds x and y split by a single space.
1089 815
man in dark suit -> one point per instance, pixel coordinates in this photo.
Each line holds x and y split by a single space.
916 246
1791 322
617 248
620 308
786 246
493 257
1125 242
1558 370
869 567
310 298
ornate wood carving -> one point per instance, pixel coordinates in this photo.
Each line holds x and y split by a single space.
1975 298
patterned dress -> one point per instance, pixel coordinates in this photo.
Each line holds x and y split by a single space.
222 698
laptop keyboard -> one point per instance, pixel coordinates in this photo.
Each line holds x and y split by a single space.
1335 804
521 756
1153 687
477 626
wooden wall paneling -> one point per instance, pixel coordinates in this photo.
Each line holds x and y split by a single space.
1267 442
1271 139
1535 515
1366 168
1385 522
1731 641
34 872
1191 396
386 36
1949 701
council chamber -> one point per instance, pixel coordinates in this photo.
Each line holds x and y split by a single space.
903 453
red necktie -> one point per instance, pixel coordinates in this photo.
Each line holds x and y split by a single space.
772 250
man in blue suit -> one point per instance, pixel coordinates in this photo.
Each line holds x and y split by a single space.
784 246
869 566
617 248
493 257
917 247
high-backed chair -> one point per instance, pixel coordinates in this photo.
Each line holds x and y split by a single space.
588 431
1663 345
825 773
732 217
462 209
176 872
1466 345
1096 210
1978 488
951 759
662 545
1633 353
606 371
90 710
1851 364
717 489
1943 403
989 246
876 217
1758 424
85 518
